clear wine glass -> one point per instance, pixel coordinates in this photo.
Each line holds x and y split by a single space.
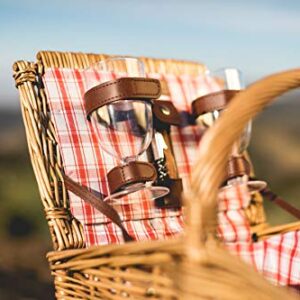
125 127
232 79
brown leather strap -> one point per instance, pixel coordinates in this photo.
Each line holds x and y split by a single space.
134 172
211 102
165 91
121 89
97 203
173 199
237 166
165 113
280 202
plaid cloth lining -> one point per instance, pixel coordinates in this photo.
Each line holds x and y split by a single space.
278 258
232 227
84 159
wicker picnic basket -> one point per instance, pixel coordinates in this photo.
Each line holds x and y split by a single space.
191 267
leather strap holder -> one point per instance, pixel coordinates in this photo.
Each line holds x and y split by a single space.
165 115
237 166
211 102
97 203
121 89
173 199
274 198
134 172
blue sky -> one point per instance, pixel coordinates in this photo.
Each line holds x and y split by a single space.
258 36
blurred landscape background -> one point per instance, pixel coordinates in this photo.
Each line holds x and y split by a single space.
24 236
259 37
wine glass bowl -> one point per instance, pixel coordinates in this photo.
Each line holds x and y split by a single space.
124 128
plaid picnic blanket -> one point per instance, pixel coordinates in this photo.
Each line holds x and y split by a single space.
85 161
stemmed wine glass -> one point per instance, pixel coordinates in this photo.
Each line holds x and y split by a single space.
231 79
124 128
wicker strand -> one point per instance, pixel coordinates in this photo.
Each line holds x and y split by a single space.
54 59
66 232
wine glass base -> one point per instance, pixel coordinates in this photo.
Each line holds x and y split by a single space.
256 185
253 185
137 193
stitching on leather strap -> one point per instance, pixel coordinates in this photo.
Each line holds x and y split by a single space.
134 172
120 89
213 101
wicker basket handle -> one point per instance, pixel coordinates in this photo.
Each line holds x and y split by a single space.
215 149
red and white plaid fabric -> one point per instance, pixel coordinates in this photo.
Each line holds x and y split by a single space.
278 258
86 162
233 223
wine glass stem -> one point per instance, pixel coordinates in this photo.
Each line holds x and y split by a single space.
216 115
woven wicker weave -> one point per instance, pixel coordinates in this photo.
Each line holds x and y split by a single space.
196 268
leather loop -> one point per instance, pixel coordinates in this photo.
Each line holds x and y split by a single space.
213 101
126 88
267 193
97 203
237 166
134 172
173 199
165 112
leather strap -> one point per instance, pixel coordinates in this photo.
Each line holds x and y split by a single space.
237 166
173 199
280 202
165 113
121 89
211 102
165 91
99 204
134 172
